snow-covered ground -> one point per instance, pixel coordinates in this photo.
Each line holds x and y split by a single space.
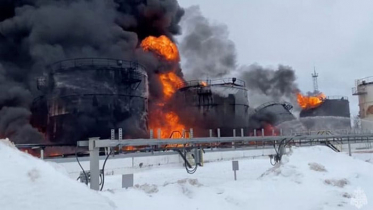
308 178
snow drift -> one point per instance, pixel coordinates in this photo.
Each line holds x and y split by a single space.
308 178
29 183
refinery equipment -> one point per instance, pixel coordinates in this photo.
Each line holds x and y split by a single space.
273 113
335 106
220 103
364 90
80 98
332 113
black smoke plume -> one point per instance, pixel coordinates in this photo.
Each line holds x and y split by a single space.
209 53
206 50
267 84
35 33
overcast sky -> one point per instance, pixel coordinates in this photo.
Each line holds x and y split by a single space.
335 36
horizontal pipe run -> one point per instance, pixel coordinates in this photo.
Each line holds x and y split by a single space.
149 142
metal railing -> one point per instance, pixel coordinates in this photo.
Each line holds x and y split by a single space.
103 62
337 97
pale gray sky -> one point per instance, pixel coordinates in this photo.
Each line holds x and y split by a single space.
336 36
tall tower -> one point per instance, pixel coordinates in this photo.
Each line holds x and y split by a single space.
314 78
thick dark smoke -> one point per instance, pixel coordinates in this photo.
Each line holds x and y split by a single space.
34 33
266 84
14 112
206 50
209 53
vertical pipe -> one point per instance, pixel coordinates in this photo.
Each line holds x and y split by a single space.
94 164
210 132
242 133
218 132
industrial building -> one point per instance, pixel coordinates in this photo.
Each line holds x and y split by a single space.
364 90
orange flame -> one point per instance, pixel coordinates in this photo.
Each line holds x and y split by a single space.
160 118
203 83
170 82
162 46
308 102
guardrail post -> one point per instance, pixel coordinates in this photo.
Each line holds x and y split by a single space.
234 135
349 146
218 132
151 133
42 153
191 133
120 133
210 132
94 164
112 134
242 133
262 131
254 132
159 133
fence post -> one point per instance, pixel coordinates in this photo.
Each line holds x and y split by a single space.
94 164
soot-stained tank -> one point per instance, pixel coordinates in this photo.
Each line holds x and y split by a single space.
82 98
333 113
273 113
212 104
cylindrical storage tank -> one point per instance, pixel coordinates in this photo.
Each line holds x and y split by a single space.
364 90
213 104
332 114
273 113
85 98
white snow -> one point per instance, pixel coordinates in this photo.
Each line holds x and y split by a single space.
29 183
308 178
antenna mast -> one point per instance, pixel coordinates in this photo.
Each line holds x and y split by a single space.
314 78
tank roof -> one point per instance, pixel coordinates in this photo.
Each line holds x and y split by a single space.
214 82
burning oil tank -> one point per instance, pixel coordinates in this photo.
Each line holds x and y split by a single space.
332 114
273 113
82 98
212 104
